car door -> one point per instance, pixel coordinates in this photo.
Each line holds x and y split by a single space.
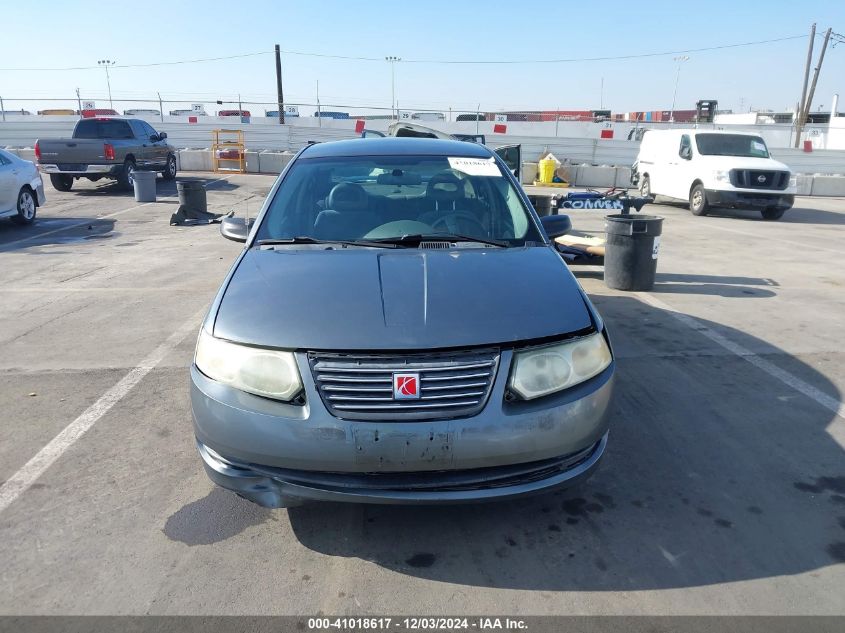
159 147
511 155
671 181
8 185
144 150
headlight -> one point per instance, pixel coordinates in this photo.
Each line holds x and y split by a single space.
721 176
264 372
544 370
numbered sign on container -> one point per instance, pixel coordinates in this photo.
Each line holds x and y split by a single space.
89 105
501 118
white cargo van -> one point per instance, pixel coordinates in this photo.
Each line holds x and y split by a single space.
714 169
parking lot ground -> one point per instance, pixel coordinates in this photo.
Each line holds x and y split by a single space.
722 491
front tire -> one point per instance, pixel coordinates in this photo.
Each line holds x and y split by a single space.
772 213
61 182
169 172
27 207
698 201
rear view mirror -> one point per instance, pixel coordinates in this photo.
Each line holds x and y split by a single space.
556 225
236 229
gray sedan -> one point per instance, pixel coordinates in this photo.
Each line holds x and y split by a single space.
21 189
399 329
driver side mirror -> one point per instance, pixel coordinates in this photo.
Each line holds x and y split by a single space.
686 153
556 225
236 229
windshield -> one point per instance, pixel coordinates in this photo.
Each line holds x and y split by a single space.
387 197
731 145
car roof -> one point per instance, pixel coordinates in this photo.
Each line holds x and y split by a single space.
391 146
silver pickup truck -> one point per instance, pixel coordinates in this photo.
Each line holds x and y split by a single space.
106 148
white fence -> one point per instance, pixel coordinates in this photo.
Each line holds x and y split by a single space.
586 147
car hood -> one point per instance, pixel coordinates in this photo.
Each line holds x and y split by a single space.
741 162
378 299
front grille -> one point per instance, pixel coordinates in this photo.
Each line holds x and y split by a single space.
359 387
756 179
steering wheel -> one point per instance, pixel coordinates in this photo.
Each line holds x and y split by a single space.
451 222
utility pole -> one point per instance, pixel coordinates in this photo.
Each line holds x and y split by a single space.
800 114
160 107
393 59
79 101
105 63
319 112
680 59
279 92
812 92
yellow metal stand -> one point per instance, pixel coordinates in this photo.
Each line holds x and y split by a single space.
228 148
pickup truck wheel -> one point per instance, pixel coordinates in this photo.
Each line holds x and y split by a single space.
61 182
645 187
772 213
26 207
127 176
698 201
169 172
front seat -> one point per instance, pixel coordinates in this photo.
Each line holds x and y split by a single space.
347 215
451 207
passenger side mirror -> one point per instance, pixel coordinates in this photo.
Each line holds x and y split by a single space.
236 229
556 225
686 153
162 135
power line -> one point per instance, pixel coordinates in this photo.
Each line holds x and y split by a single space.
432 61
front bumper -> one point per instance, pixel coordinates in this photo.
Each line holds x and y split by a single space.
267 450
749 199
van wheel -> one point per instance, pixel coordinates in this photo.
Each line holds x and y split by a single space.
698 201
772 213
61 182
645 187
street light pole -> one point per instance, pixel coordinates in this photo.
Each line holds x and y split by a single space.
105 63
680 59
393 59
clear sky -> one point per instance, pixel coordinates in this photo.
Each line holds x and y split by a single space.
61 34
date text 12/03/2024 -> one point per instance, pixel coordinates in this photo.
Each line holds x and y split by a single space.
416 624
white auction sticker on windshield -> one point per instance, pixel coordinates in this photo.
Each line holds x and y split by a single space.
760 147
474 166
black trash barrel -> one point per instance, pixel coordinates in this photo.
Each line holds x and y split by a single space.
630 256
542 204
191 195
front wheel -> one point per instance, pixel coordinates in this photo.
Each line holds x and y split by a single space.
772 213
127 176
169 172
698 201
26 207
61 182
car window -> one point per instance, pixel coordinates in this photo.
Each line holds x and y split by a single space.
148 129
3 160
686 146
390 196
103 128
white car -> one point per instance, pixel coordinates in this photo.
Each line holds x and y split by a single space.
21 188
711 169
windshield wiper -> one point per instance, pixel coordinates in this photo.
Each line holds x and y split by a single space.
446 237
305 239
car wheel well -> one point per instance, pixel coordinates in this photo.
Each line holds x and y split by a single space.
30 190
129 157
694 184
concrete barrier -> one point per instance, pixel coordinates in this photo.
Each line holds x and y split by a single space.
591 176
273 162
195 159
528 173
828 186
623 177
804 184
252 162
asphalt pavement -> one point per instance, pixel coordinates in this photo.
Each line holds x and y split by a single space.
722 491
